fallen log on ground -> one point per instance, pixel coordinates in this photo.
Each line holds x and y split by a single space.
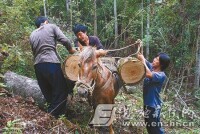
24 86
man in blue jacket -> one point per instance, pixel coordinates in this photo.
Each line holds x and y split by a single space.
153 83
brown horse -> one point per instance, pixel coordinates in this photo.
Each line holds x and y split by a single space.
96 81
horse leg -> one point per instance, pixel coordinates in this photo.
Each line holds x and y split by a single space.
111 131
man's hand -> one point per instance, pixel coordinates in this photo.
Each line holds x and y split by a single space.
101 52
141 57
139 42
72 51
143 60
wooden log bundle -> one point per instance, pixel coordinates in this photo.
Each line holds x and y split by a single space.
70 66
24 86
130 69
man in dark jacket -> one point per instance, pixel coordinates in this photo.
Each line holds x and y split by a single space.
47 65
83 39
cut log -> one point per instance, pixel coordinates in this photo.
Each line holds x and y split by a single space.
70 67
24 86
131 70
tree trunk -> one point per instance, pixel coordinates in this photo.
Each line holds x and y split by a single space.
142 23
71 8
197 72
95 18
148 27
68 11
123 29
182 13
24 86
67 6
45 10
116 25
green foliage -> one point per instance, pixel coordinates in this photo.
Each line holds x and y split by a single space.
16 18
62 51
167 33
12 127
19 60
173 28
173 31
46 105
2 85
62 117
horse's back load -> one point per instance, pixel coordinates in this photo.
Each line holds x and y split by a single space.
131 70
70 66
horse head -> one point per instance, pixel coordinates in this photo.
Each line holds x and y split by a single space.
88 67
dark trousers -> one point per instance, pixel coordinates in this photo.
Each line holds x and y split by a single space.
54 86
152 120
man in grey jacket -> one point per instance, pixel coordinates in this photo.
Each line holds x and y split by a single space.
47 65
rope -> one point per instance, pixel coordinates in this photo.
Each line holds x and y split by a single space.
121 48
57 106
139 48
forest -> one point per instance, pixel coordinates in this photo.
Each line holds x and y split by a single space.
170 26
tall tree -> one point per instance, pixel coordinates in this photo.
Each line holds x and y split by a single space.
95 18
124 24
116 25
197 72
69 13
142 17
45 9
71 18
67 5
148 27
